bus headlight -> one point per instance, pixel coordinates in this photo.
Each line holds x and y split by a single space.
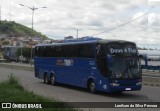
114 84
138 83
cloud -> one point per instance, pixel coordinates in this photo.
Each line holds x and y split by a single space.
143 20
91 16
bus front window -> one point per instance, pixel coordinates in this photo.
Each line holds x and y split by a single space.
133 68
123 60
118 67
125 68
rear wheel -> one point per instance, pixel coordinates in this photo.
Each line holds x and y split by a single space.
45 78
52 80
92 87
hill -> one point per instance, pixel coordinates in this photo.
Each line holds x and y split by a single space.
13 29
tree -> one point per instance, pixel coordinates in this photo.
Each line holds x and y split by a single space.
26 52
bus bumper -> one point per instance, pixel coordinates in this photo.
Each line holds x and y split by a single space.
125 88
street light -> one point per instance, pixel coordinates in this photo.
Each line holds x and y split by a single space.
33 9
0 12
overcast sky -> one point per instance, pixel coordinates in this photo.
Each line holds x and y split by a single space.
61 18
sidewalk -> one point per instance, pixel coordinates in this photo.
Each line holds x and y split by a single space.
18 64
14 65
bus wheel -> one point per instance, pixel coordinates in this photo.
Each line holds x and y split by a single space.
92 87
45 78
52 80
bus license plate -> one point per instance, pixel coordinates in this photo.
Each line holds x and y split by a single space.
128 89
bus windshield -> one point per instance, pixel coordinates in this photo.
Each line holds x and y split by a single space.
125 62
123 67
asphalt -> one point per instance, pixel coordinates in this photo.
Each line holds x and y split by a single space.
73 94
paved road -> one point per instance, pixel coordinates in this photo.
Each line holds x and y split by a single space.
72 94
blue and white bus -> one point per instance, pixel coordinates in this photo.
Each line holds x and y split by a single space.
93 63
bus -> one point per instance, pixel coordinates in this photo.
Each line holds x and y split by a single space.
10 53
92 63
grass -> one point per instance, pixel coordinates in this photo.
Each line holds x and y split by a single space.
12 91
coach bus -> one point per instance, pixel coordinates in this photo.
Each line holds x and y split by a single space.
93 63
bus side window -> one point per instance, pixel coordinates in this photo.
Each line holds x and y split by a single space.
39 51
86 50
49 53
36 51
68 51
58 51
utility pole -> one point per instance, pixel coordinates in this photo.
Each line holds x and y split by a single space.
0 12
33 9
10 13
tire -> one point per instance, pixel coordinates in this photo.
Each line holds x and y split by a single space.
52 80
92 87
45 78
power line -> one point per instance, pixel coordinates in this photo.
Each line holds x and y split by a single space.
120 25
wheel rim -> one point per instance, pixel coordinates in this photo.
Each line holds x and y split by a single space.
52 80
92 87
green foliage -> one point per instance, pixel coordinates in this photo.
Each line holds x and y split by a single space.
11 91
13 29
26 52
12 79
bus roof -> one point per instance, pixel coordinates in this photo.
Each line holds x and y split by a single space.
83 41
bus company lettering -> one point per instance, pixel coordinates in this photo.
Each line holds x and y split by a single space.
131 50
68 62
116 50
60 62
125 50
65 62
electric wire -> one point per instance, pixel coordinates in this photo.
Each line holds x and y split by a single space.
120 25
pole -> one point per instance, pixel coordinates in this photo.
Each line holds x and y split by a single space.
10 13
0 12
32 8
32 28
32 17
21 54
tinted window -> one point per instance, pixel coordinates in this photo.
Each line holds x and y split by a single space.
68 51
38 51
78 50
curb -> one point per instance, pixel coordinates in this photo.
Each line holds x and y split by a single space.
151 81
11 66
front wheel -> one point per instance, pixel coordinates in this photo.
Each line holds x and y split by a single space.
92 87
52 80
